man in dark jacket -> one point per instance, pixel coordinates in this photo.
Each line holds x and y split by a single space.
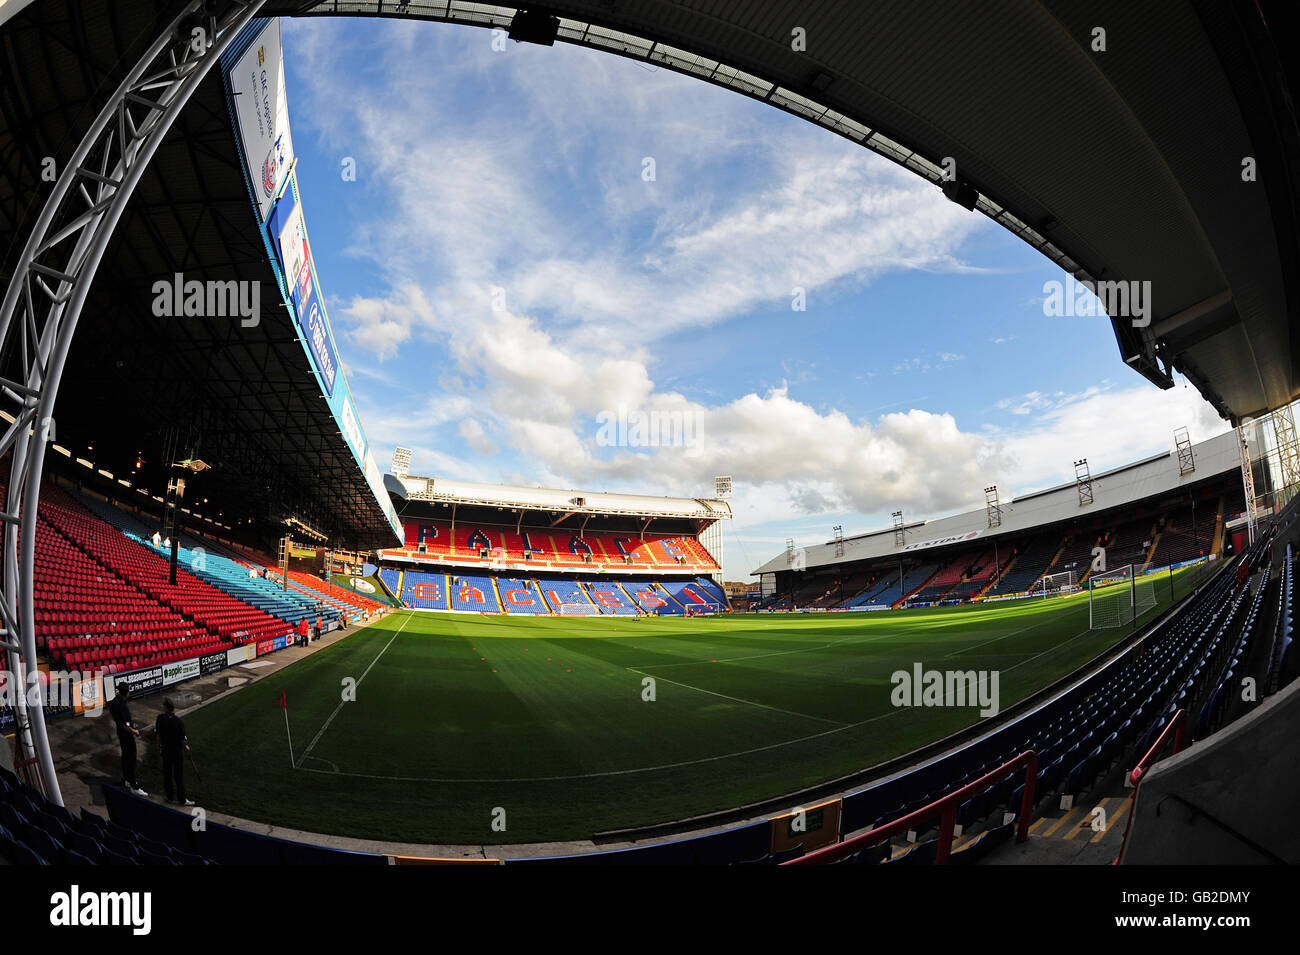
120 710
172 745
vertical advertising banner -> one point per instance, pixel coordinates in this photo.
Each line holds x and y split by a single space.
290 232
261 107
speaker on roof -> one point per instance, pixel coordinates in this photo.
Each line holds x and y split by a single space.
962 193
534 26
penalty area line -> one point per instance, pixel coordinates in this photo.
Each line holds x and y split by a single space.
612 772
321 732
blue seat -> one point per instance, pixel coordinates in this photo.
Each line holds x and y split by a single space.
42 843
18 852
87 846
785 855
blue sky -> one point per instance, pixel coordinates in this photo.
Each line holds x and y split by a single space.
503 272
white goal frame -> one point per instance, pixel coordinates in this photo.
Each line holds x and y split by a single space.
1117 598
1056 585
578 610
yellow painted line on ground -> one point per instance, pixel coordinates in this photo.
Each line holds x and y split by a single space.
1087 819
1111 820
1037 823
1051 830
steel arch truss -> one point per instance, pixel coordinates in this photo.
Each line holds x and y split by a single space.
44 300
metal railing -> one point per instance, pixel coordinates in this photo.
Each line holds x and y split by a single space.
945 808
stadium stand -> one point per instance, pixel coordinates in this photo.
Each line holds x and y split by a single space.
693 596
423 590
560 593
945 579
251 587
1077 735
472 593
521 596
651 598
88 618
1180 540
351 604
216 611
490 593
610 597
391 578
487 543
1028 564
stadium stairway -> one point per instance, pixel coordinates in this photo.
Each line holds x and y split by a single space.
234 578
350 604
996 578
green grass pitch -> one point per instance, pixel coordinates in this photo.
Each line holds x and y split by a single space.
457 715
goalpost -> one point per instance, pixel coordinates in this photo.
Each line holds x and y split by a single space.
1056 585
1118 597
578 610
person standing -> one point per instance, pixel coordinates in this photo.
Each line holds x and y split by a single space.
120 710
172 744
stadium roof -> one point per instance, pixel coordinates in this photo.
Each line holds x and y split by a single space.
1118 165
1121 486
1122 164
559 501
243 398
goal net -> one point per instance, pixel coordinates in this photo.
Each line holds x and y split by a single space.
578 610
1056 585
1118 597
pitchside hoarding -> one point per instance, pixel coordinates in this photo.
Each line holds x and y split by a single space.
139 681
180 670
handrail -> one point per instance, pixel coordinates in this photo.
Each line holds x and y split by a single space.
946 807
1178 726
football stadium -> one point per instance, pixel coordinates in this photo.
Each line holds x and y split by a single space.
284 583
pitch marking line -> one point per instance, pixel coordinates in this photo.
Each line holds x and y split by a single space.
321 732
647 769
613 772
737 699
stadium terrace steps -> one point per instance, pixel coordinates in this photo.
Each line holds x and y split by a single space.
234 578
391 578
351 604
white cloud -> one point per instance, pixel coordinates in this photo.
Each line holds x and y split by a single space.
596 265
